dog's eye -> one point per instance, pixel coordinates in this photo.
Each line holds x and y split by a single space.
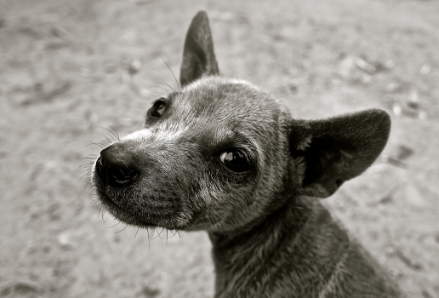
158 109
236 160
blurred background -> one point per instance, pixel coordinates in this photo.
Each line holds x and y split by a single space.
68 68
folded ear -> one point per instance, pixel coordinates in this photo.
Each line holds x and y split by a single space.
198 55
337 149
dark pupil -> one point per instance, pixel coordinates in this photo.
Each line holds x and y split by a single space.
236 161
158 109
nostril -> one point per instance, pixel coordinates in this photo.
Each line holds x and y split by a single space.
122 176
100 166
101 161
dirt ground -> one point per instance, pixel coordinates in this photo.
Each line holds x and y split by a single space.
64 73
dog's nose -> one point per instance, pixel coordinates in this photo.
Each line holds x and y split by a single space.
116 166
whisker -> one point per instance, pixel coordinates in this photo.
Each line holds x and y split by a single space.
121 230
100 145
104 135
87 184
95 202
86 165
169 86
159 234
102 216
108 139
178 84
114 135
114 225
115 131
164 90
149 242
85 170
84 175
100 210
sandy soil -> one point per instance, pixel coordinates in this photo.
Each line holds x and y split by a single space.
64 73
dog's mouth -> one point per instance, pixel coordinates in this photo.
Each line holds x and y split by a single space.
147 214
125 216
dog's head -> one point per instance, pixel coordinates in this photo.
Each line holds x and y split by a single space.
221 153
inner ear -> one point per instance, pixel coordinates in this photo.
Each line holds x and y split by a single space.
319 157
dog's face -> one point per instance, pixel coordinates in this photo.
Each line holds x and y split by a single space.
202 161
221 153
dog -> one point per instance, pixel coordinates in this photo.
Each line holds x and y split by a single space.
224 156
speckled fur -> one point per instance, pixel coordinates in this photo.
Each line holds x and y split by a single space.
271 237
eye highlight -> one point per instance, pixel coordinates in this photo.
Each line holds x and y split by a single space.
158 109
236 160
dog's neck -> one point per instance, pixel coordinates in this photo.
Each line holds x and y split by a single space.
245 257
289 216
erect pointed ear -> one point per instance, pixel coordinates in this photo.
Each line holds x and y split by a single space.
337 149
198 55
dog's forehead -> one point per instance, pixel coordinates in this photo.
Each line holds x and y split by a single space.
225 100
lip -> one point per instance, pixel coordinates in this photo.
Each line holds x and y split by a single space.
121 214
153 219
